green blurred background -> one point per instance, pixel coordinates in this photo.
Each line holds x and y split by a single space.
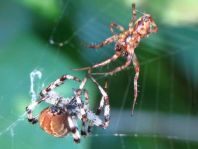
166 113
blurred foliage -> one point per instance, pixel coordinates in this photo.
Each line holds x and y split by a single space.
168 79
45 8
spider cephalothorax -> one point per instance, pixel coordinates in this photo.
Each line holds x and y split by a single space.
125 43
61 117
145 25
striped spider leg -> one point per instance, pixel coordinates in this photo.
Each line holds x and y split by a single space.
103 103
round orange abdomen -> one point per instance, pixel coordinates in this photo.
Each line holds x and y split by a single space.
53 123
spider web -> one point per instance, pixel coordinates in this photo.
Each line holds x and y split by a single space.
165 116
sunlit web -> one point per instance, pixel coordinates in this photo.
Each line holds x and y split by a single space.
176 126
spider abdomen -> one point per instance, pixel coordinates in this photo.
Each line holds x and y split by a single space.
53 123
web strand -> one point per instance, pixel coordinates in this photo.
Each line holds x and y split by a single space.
33 75
51 39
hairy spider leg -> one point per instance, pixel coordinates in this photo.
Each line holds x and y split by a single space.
102 101
83 110
137 70
84 131
74 130
120 68
57 83
116 26
30 109
85 128
85 106
86 94
84 81
131 58
133 16
113 58
106 105
103 43
82 106
99 45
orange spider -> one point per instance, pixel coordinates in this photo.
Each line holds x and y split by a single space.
125 44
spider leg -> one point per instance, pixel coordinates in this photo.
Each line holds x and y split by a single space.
83 106
105 104
91 118
137 70
86 103
114 25
101 102
30 109
89 128
133 16
86 128
74 130
128 62
100 106
86 125
82 115
154 27
57 83
86 94
113 58
84 119
83 129
84 81
103 43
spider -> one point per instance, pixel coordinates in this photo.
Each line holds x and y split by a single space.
125 44
61 117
